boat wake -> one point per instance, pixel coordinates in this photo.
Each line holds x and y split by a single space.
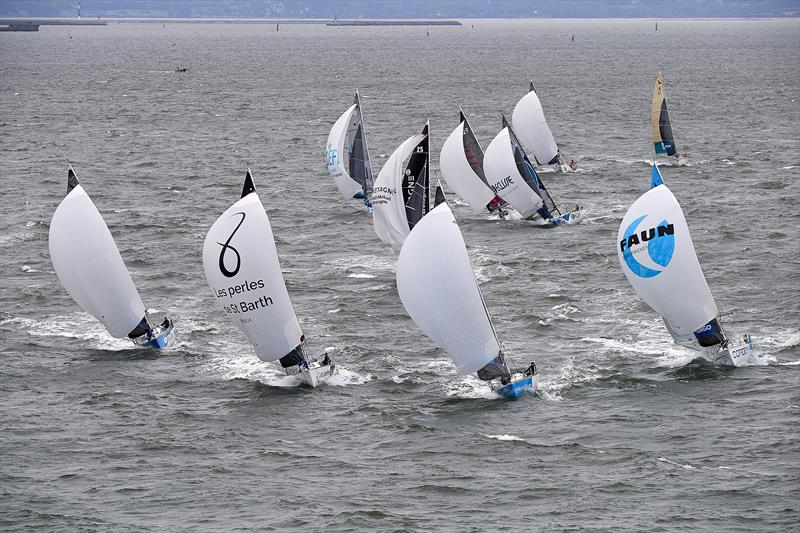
470 388
80 326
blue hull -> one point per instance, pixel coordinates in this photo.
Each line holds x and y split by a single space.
161 341
517 388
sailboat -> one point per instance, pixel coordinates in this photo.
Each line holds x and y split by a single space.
663 140
512 176
347 155
437 287
531 126
242 268
88 263
401 196
658 257
461 163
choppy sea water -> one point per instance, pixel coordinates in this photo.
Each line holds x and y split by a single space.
629 431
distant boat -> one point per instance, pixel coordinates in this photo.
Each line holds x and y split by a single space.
512 176
461 164
90 267
437 286
347 155
181 69
657 255
532 129
656 26
573 40
663 140
242 268
402 191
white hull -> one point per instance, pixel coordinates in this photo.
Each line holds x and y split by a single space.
317 373
738 352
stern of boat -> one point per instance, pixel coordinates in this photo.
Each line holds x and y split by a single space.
519 385
736 352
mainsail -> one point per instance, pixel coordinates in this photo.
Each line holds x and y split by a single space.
242 268
657 255
531 126
89 265
437 286
461 163
663 140
347 154
401 195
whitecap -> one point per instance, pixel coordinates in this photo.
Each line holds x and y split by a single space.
684 466
512 438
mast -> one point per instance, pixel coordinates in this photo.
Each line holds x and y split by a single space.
427 167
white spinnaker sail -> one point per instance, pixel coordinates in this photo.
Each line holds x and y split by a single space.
502 174
657 255
532 129
389 208
89 265
459 175
337 157
437 286
241 265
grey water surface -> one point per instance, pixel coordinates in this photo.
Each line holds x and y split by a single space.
629 431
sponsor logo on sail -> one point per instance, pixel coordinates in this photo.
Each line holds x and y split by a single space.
227 246
332 158
657 242
502 184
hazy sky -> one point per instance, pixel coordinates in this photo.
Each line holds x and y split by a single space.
402 8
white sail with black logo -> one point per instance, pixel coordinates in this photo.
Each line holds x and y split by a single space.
89 265
437 286
347 154
657 255
531 126
242 268
461 163
401 195
504 176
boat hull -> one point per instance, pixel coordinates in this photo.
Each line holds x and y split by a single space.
316 374
738 352
520 384
158 337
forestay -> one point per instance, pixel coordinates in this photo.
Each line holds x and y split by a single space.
657 255
89 265
461 163
242 268
663 140
391 192
532 129
504 176
437 286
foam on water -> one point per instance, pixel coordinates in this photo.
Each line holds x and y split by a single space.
81 326
469 388
512 438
